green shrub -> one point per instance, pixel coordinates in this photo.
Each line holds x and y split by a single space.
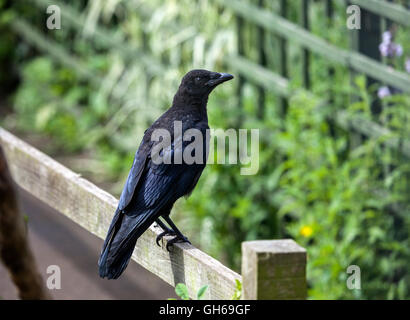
343 197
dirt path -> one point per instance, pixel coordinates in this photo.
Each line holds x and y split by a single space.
56 240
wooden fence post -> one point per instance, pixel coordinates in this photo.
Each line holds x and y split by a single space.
273 269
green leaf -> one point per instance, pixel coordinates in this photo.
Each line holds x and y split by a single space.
238 291
201 292
182 291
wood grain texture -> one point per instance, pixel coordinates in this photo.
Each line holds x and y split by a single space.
93 208
273 269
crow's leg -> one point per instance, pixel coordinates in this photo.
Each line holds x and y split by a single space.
179 236
162 225
167 231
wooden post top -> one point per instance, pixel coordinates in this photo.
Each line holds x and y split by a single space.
273 269
274 246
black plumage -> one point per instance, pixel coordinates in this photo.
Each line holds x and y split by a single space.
152 188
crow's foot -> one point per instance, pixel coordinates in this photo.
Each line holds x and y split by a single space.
168 232
177 239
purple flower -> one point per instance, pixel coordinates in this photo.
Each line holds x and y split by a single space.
383 92
387 37
407 65
398 49
384 49
390 49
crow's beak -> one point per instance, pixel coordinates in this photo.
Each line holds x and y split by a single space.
222 78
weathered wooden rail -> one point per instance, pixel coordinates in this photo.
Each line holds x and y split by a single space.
271 269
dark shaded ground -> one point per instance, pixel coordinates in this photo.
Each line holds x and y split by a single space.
56 240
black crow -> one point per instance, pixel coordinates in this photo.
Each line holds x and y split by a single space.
152 186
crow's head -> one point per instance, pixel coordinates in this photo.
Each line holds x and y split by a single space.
202 82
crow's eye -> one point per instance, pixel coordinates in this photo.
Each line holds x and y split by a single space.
197 79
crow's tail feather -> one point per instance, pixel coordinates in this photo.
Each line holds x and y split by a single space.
120 242
113 268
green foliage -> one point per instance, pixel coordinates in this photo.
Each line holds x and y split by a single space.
333 198
182 291
201 292
238 291
25 219
341 196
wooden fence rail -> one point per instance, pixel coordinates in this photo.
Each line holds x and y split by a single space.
254 72
278 82
385 9
278 25
272 269
248 70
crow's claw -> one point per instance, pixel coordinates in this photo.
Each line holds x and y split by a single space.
162 234
176 240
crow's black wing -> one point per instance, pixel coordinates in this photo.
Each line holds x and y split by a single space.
157 188
163 183
133 178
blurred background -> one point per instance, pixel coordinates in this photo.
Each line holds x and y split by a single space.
332 105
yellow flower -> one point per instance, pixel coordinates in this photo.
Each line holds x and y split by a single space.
306 231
